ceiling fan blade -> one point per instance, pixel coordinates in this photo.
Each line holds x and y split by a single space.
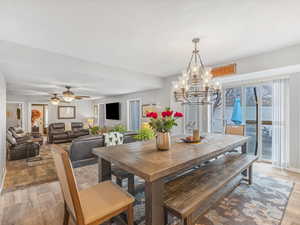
81 97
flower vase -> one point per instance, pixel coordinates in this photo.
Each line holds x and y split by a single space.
163 141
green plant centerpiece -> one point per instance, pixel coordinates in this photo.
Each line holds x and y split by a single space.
95 130
145 133
119 128
162 125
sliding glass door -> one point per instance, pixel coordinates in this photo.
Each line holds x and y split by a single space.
248 104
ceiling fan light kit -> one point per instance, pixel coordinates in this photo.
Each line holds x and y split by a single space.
68 95
54 100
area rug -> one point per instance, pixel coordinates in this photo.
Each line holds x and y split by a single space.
21 174
262 203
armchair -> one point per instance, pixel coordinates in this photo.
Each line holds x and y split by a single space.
57 133
78 130
18 134
21 150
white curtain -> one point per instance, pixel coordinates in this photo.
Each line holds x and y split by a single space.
280 121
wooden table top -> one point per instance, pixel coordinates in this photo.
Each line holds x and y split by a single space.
144 160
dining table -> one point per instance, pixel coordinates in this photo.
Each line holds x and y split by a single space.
142 159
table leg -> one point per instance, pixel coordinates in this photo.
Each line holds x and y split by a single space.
154 202
104 170
250 174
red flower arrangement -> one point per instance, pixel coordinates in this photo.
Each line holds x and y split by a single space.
165 122
178 114
153 115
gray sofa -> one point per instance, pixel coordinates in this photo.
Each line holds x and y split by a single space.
80 150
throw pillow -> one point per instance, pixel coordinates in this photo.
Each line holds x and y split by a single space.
113 138
11 139
18 130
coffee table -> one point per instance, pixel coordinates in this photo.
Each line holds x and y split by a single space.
37 140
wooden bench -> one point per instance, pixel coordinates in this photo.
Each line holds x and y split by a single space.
191 195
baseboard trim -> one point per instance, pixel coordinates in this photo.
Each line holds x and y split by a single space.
295 170
2 181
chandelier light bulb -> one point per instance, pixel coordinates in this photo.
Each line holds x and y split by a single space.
175 85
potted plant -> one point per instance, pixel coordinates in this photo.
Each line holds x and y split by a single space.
119 128
95 130
162 125
145 133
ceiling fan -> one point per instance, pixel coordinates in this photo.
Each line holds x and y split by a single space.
67 96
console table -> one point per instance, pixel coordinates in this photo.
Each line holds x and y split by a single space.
143 160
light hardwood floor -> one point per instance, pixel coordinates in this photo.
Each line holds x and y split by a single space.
42 204
292 213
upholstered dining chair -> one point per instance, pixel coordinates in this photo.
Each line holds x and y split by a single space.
94 205
235 130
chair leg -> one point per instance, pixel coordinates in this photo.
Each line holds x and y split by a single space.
130 215
187 221
119 181
131 185
66 216
109 222
166 215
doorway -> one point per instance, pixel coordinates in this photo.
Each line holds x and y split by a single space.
133 114
39 118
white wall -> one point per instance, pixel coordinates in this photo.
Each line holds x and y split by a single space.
2 128
83 110
161 97
146 97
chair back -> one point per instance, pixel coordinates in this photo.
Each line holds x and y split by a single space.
57 126
76 125
235 130
67 182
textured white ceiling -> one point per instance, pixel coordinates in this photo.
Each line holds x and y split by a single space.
120 40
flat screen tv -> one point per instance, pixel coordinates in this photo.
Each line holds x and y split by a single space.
113 111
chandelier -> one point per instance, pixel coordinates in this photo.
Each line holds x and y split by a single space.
196 85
